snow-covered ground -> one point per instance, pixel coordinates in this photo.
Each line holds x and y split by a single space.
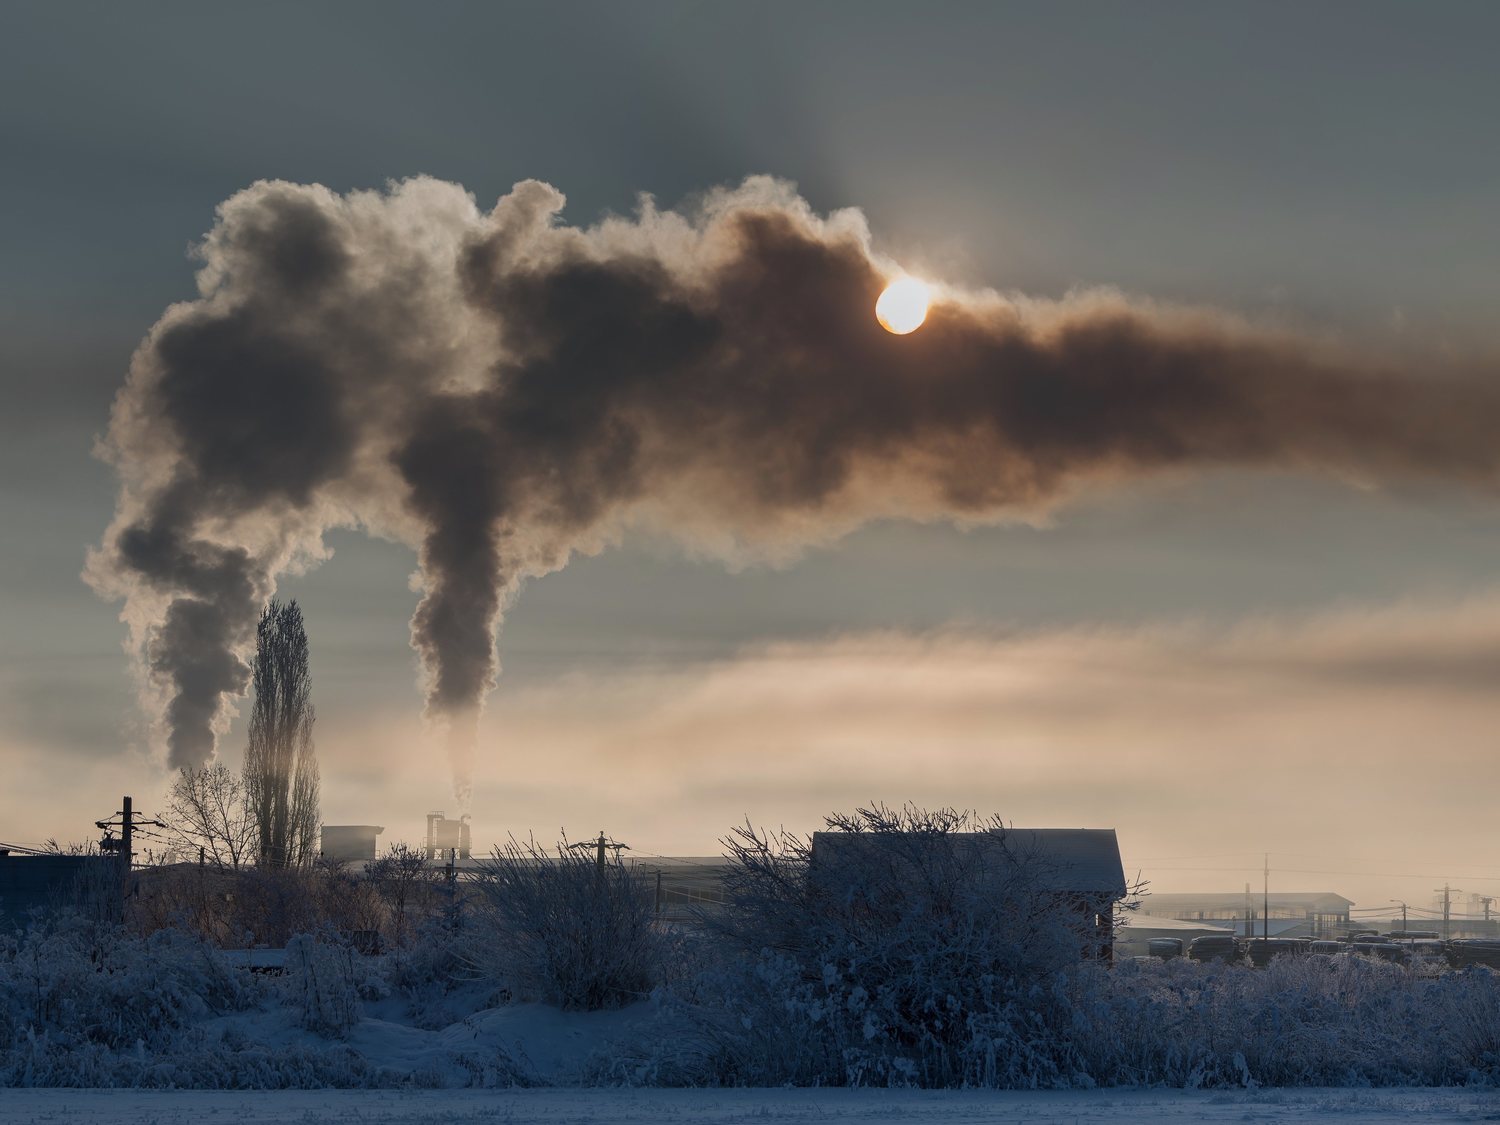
739 1107
361 1041
532 1043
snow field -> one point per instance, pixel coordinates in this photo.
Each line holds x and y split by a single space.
741 1107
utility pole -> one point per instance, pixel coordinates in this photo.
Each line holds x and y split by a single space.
127 838
126 843
1265 921
1403 914
1486 901
450 888
1447 908
601 844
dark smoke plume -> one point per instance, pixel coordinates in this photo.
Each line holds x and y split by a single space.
500 390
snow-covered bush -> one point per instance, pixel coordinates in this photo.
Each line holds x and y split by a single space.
1303 1021
563 929
913 957
61 982
889 959
322 983
1312 1020
70 988
447 973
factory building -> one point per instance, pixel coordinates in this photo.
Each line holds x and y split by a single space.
445 837
350 843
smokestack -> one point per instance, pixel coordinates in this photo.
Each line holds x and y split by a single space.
500 391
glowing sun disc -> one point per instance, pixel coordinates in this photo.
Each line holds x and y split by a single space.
902 307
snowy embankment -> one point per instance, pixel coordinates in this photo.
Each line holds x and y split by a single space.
741 1107
807 990
168 1013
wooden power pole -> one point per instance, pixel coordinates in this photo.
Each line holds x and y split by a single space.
602 844
127 841
124 847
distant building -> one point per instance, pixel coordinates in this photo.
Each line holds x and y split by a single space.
1313 914
445 837
350 843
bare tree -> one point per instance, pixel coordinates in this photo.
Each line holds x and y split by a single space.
281 771
399 876
208 814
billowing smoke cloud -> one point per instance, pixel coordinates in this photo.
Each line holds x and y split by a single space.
500 390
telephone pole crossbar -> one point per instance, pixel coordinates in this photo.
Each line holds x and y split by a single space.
124 847
602 844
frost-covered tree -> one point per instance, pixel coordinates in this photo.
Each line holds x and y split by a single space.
895 947
281 770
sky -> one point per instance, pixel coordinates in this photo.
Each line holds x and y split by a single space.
1221 664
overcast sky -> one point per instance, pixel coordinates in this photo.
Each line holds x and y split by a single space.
1218 666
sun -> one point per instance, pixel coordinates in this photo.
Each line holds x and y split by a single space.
902 307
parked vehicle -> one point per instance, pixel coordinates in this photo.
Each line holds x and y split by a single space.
1261 950
1332 947
1215 948
1385 950
1463 952
1164 948
1425 947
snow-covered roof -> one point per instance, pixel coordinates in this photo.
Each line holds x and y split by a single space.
1086 859
1141 923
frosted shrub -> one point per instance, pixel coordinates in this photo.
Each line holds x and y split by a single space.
72 991
910 944
1304 1021
909 957
62 983
322 984
445 973
563 930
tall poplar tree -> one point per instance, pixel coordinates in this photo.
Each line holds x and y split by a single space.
281 770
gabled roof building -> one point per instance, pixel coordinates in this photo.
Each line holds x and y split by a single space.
1313 914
